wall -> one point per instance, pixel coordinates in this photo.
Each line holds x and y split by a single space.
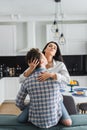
75 36
74 31
21 35
40 34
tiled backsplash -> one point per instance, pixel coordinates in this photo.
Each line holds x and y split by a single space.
76 65
12 65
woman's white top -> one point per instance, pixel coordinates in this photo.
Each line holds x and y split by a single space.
59 69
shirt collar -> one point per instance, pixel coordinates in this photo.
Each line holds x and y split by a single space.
54 62
40 69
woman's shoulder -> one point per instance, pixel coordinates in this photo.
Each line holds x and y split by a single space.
56 62
59 64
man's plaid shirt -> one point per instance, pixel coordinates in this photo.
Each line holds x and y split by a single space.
44 106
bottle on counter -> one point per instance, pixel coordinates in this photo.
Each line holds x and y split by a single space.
12 71
1 71
18 70
6 71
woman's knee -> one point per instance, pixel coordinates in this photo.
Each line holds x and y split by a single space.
67 122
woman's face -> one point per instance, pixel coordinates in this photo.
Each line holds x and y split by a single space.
51 49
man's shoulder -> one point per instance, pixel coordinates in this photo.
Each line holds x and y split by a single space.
32 76
50 80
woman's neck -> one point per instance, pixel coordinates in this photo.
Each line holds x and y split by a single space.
50 62
49 59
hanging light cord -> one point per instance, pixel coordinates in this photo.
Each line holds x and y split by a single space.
54 28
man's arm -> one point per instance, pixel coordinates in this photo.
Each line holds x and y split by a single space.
21 97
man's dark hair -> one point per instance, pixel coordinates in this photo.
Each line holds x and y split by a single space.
33 54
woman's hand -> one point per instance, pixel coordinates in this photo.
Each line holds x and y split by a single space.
33 64
31 68
45 75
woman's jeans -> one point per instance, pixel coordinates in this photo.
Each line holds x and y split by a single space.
65 114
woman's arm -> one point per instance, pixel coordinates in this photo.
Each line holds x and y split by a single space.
58 72
61 72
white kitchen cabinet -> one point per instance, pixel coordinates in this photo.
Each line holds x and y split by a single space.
1 91
81 79
28 41
29 35
76 38
7 40
11 85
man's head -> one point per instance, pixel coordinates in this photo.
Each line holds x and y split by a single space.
35 53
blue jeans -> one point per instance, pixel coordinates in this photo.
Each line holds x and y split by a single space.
23 117
65 114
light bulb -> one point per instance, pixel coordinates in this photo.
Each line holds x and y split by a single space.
54 26
56 34
62 39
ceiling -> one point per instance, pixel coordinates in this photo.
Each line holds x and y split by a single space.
43 8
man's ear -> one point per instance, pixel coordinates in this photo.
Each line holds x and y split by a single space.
41 61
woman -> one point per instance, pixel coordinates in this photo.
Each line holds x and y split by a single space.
56 70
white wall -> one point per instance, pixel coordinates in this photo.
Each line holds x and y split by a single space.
21 35
72 31
40 34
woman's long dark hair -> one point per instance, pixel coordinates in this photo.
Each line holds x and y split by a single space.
58 56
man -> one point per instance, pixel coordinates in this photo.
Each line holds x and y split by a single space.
44 109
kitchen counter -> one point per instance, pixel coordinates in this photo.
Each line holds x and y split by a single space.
9 77
9 87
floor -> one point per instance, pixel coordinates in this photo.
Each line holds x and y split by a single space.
9 108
